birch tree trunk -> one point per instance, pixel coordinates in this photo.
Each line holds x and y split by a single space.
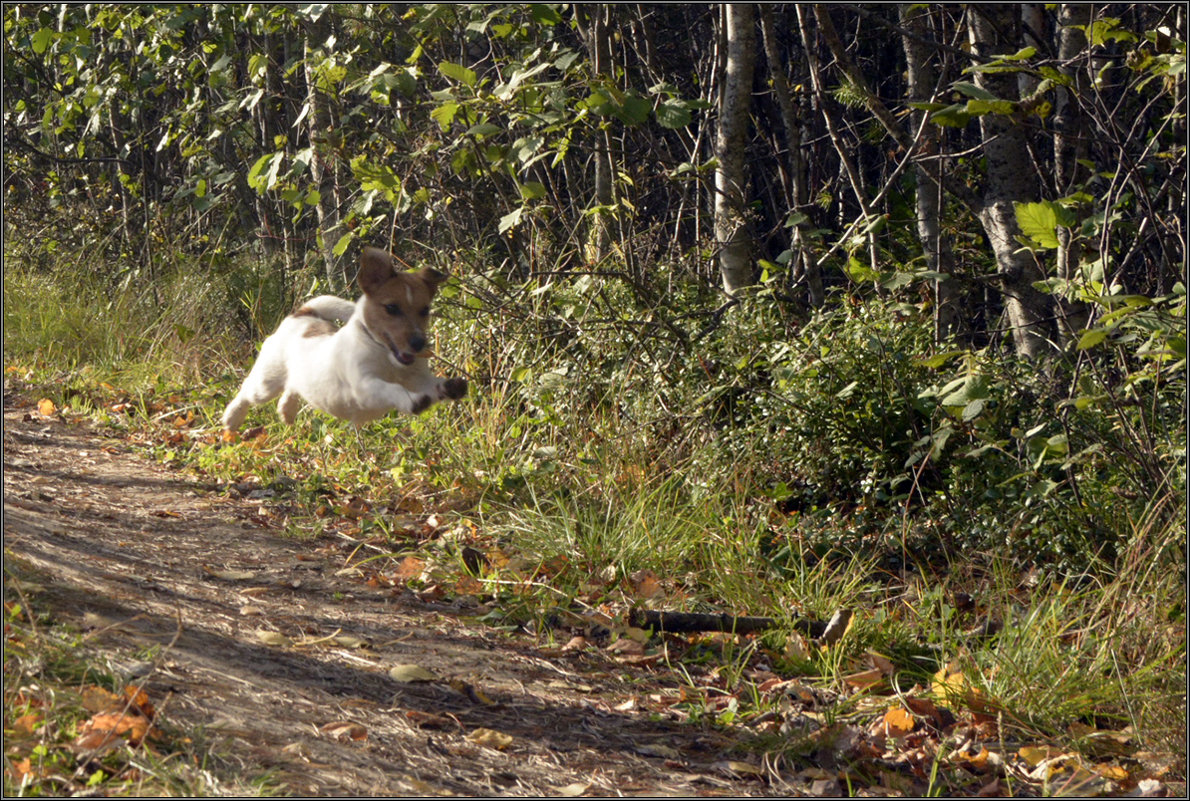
923 81
1010 178
320 128
594 22
1070 144
731 231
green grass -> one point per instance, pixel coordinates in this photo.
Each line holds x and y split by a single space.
572 501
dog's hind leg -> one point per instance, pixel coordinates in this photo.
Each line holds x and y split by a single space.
288 406
265 381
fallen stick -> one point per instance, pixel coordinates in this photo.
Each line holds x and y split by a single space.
677 622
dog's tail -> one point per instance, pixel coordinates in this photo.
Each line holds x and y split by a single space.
327 307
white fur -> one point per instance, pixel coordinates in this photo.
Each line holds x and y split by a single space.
348 374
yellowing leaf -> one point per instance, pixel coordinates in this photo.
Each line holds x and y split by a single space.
46 407
272 637
228 575
410 673
572 790
1035 754
739 768
490 738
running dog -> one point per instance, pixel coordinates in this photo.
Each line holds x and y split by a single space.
376 362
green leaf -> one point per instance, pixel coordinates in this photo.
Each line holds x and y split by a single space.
1039 222
953 116
1091 337
344 241
511 220
940 359
971 90
457 72
42 39
977 107
444 115
544 13
975 387
673 114
532 190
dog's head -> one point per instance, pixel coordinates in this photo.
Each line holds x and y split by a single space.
397 304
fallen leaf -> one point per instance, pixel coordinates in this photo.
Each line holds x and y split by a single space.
272 637
864 679
475 695
97 699
1036 754
345 731
427 720
490 738
881 661
46 407
27 724
898 722
645 583
572 790
796 647
923 707
228 575
108 729
836 627
739 768
411 673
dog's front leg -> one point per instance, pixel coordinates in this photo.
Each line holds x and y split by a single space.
377 394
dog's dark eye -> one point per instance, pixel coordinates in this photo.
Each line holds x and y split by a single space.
425 312
393 309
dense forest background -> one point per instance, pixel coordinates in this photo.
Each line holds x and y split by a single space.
799 307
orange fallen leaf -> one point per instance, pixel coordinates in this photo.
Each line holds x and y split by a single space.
27 724
428 720
898 722
46 407
22 769
106 728
345 731
97 699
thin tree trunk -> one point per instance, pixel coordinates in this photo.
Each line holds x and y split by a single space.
731 229
847 164
800 265
1010 179
936 247
319 127
1070 144
594 21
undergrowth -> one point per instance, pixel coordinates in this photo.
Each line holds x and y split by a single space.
974 513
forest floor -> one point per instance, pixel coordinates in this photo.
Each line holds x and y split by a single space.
283 662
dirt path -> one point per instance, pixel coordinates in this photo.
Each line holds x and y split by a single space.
176 572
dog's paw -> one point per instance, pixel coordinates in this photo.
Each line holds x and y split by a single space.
421 403
454 388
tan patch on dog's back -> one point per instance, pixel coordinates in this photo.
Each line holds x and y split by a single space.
317 327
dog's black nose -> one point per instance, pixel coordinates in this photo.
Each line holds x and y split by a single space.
417 343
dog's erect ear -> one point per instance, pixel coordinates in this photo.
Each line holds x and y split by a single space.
375 267
432 277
